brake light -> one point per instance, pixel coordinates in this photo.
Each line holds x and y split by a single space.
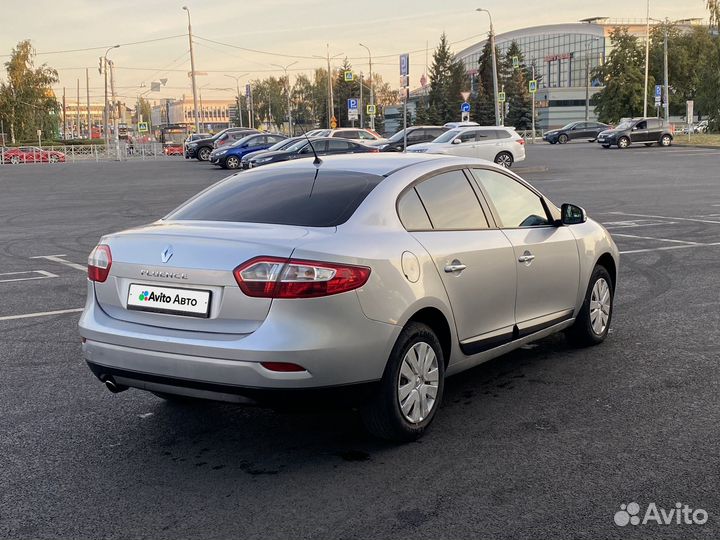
282 367
99 263
273 277
521 140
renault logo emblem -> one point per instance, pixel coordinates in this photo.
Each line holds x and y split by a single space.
166 254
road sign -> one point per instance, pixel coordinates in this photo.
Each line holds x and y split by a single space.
371 110
465 95
515 62
690 111
143 127
352 104
658 91
532 86
247 90
404 81
333 122
353 114
465 117
154 86
501 97
405 64
465 107
348 75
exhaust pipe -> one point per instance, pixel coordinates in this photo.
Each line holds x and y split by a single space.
115 388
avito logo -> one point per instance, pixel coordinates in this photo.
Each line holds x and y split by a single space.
681 514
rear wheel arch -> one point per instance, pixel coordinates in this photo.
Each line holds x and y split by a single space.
438 323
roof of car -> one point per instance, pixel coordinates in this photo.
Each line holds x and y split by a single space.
381 164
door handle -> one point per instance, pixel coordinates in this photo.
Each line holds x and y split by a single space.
526 257
455 266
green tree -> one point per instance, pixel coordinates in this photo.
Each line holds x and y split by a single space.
27 102
270 102
304 109
713 7
342 91
144 108
447 80
483 106
519 100
623 78
708 91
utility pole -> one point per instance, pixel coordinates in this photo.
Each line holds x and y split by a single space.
372 86
64 117
362 114
494 66
106 130
77 111
665 69
114 111
87 96
533 102
647 59
330 103
192 67
287 76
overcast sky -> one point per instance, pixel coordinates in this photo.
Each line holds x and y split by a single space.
285 27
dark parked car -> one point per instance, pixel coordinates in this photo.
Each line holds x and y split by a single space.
282 145
575 130
301 149
201 148
415 135
229 156
192 138
647 131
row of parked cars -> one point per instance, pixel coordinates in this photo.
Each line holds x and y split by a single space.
30 154
242 148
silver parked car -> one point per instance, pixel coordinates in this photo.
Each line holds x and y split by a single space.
379 274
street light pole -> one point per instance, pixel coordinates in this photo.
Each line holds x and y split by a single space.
105 109
665 70
372 86
330 101
647 59
494 67
237 87
192 67
287 76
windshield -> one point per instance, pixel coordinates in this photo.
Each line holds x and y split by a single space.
296 145
624 125
568 126
397 137
240 142
281 145
447 136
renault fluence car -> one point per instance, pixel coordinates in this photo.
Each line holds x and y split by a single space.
497 143
378 275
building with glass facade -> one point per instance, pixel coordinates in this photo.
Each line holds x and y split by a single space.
563 56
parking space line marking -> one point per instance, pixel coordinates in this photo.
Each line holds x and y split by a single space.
665 248
666 217
43 275
630 224
40 314
658 239
59 259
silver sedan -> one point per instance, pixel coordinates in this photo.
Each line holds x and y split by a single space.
367 276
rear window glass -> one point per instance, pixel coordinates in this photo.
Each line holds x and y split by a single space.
321 198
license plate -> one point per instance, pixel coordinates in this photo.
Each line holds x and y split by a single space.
172 300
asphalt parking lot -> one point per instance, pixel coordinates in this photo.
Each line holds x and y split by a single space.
546 442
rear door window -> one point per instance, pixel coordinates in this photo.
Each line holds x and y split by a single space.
338 146
451 202
412 213
308 198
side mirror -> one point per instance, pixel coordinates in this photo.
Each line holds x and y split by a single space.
456 141
572 214
635 128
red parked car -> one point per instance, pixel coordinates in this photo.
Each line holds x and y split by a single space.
31 154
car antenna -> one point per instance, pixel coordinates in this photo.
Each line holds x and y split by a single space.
317 161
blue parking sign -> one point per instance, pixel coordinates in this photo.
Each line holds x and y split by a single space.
658 91
352 104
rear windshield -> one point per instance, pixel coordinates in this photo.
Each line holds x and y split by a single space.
288 197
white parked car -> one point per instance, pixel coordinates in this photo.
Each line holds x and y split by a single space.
495 143
362 136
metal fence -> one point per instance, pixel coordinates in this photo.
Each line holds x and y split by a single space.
84 153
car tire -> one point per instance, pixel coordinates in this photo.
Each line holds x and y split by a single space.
389 415
53 159
15 160
605 146
232 162
563 139
623 142
505 159
593 321
203 154
552 142
665 140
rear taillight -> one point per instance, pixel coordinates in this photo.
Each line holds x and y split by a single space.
272 277
521 140
99 263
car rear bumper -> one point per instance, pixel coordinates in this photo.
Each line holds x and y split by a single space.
330 337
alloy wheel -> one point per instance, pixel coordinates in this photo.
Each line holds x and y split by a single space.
623 142
600 306
204 154
232 162
504 160
418 382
